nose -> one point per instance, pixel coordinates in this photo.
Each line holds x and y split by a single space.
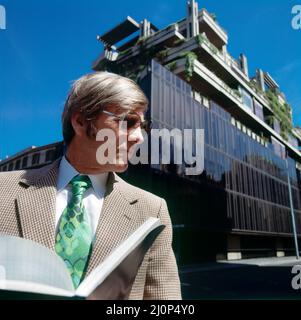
135 135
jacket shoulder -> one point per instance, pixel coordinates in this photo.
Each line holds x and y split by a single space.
10 178
148 201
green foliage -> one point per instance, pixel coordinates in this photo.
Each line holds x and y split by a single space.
213 49
124 53
183 54
161 55
287 108
237 92
171 66
213 16
200 39
178 42
270 120
281 112
255 87
189 64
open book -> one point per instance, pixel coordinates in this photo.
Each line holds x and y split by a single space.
26 266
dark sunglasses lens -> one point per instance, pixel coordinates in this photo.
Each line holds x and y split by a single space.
132 120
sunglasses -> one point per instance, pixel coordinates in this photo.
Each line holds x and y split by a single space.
133 120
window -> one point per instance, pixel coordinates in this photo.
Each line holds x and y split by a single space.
246 98
206 102
24 162
279 148
50 154
35 159
18 164
258 109
276 126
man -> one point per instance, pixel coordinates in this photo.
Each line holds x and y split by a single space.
82 209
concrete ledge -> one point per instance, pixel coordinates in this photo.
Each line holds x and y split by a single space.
233 256
280 254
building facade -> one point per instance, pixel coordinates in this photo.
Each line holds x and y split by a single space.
32 157
240 206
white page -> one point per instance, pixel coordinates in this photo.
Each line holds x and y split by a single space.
29 266
99 274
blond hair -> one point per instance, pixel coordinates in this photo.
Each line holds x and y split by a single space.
93 92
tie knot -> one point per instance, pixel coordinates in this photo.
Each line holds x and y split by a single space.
80 184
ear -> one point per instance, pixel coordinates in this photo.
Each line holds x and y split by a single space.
78 123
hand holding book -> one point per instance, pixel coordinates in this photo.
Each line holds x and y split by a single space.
32 268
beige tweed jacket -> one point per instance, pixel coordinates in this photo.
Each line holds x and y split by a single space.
27 209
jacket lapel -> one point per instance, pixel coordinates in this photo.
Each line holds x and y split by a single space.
36 205
116 220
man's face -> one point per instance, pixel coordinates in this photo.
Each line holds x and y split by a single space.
121 143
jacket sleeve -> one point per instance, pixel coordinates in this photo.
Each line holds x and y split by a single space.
162 277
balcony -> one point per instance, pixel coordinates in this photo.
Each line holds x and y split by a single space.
207 24
208 84
222 64
214 32
160 39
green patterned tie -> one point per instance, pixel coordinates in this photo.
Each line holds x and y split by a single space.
74 236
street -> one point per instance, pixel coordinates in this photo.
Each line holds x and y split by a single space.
268 278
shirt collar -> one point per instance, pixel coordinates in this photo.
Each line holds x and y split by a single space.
67 172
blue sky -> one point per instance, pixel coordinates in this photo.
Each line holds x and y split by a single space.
49 43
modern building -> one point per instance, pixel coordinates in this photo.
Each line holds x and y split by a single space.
242 203
32 157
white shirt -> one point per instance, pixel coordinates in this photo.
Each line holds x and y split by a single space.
93 197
